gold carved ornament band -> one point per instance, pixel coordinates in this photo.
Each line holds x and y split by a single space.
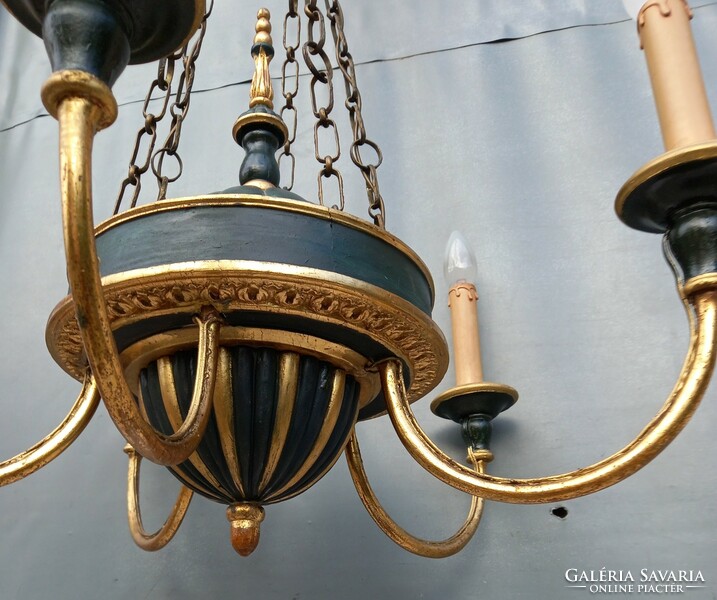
84 105
681 404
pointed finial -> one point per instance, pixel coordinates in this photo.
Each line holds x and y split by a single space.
263 27
245 521
262 91
260 131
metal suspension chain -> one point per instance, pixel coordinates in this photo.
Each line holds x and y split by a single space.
314 46
289 95
178 109
377 209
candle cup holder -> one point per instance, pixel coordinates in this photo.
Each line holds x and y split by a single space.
673 181
474 406
484 398
675 194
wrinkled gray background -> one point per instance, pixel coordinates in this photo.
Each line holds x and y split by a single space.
516 122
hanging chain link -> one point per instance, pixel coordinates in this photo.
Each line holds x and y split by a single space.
377 209
321 74
290 62
178 109
148 133
314 47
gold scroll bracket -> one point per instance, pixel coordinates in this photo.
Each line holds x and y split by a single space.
58 441
160 538
84 105
407 541
664 427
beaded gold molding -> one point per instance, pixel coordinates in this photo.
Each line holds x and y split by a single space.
231 286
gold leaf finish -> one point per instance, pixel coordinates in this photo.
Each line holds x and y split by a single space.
664 427
427 548
265 287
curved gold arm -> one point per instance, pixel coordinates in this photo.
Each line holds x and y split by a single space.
83 105
429 549
160 538
675 413
58 441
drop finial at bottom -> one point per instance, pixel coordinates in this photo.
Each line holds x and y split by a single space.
245 522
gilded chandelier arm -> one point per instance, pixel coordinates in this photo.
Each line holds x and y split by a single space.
675 413
84 105
427 548
58 441
160 538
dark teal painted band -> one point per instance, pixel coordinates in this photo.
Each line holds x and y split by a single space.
236 232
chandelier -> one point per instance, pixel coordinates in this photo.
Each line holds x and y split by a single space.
238 337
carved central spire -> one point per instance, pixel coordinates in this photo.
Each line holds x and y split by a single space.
262 92
260 131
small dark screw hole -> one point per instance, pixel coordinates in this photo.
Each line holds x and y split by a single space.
561 512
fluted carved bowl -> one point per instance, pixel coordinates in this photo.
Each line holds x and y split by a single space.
280 421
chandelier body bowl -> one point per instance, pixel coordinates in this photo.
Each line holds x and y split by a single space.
310 299
309 319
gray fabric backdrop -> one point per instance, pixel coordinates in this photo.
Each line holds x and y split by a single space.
516 122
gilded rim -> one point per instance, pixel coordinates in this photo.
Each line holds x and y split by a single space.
663 163
72 82
470 388
251 118
200 9
231 286
698 284
139 355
